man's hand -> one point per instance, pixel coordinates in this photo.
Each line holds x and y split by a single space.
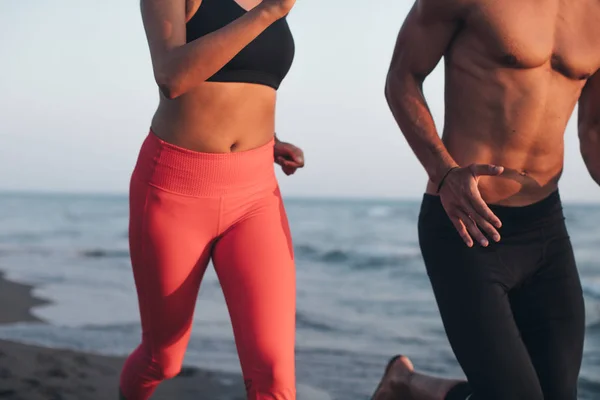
288 156
463 203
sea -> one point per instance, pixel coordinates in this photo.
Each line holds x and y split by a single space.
363 294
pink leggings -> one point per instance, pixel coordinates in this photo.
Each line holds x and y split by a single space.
187 207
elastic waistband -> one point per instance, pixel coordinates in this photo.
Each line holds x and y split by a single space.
542 209
548 208
191 173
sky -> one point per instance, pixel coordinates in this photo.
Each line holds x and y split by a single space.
77 95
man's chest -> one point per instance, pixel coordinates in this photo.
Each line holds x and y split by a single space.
531 33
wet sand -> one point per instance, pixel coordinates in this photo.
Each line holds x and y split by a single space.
36 373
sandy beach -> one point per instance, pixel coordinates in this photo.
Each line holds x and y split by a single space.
35 373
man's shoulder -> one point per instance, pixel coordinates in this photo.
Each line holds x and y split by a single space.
439 10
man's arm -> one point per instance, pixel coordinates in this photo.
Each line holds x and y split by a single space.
589 126
421 44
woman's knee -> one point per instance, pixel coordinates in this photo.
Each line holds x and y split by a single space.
156 366
167 369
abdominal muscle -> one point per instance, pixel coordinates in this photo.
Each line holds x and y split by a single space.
511 118
527 178
218 117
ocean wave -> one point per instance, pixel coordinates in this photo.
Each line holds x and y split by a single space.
354 259
305 321
593 326
592 288
380 211
335 256
118 212
305 250
119 328
21 237
24 250
589 386
105 253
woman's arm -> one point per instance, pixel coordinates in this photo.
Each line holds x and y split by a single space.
288 156
178 67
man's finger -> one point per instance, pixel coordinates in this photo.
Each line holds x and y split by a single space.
472 227
481 208
486 169
487 227
462 231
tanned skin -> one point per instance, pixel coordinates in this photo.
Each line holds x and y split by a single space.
514 71
212 117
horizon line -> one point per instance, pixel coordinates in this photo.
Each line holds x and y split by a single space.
83 193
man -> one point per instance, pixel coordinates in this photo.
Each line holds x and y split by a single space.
491 227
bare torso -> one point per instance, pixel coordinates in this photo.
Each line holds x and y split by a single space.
218 117
514 73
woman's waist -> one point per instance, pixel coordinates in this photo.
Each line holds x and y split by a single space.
218 118
212 138
180 170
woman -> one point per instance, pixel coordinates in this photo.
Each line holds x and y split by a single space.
204 187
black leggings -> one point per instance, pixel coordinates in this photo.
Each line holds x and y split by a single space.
513 311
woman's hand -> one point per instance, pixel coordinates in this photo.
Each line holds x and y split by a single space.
288 156
279 8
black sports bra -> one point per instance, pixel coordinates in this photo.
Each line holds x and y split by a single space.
265 61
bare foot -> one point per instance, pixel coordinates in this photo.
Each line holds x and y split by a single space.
395 383
401 382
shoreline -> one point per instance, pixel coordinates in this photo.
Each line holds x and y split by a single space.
20 301
39 373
